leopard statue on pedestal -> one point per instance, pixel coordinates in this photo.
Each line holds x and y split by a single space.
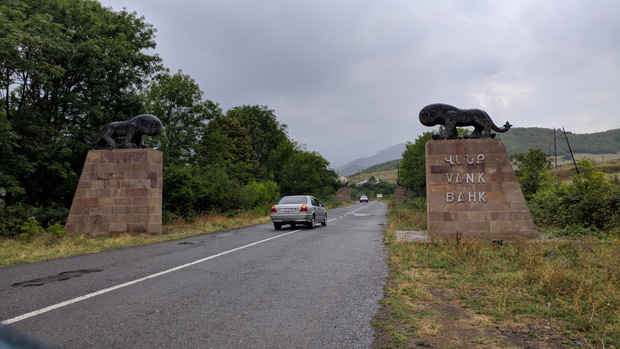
451 118
131 131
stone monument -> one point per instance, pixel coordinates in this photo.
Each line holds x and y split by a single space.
471 187
120 190
401 194
343 195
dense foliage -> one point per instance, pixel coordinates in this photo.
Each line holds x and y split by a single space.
413 166
68 67
589 203
532 171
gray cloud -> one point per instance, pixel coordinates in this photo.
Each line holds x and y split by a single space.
349 77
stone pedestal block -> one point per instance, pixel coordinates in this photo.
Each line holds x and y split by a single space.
401 194
471 188
120 192
343 195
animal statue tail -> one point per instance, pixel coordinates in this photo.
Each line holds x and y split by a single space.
506 127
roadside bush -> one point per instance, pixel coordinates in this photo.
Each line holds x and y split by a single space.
533 171
330 201
14 218
191 191
591 203
30 229
11 220
57 232
408 215
258 195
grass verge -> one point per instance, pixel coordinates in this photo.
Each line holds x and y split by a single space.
49 246
471 293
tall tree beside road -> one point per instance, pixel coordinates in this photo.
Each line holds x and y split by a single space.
413 166
264 129
228 145
299 171
177 100
533 171
67 67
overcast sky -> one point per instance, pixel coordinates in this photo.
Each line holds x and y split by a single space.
349 77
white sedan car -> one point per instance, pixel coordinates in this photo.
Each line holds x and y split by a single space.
298 209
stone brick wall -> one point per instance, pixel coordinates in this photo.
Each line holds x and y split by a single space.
120 192
343 195
472 189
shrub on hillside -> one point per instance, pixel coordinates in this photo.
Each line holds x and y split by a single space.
591 202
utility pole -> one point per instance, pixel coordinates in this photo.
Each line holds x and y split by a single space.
571 153
555 149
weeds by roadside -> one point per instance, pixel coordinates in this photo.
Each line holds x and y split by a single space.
38 244
571 285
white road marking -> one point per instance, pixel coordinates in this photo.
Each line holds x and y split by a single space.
113 288
110 289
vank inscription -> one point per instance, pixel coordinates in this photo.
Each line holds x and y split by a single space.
454 178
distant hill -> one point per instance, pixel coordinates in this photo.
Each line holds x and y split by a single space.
384 166
355 166
520 140
517 140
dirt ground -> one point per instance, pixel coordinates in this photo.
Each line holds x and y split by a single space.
447 324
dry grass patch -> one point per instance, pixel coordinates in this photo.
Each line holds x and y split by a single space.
464 292
45 246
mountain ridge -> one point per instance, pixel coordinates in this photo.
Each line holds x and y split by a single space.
391 153
517 140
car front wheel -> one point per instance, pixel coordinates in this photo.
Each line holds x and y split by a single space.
324 220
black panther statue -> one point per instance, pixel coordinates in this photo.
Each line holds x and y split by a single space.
451 118
131 130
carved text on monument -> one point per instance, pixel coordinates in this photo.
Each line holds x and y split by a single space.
474 177
455 178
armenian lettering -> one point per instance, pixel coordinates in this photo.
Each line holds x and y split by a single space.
456 179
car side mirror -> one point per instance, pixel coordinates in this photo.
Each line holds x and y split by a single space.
321 205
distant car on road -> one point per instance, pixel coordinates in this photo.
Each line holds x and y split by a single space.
363 198
298 209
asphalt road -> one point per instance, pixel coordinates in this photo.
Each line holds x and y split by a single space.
245 288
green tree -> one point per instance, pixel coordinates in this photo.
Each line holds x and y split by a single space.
177 100
227 144
587 204
266 133
11 163
413 165
66 68
533 171
298 171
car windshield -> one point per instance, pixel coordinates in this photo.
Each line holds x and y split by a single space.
293 200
